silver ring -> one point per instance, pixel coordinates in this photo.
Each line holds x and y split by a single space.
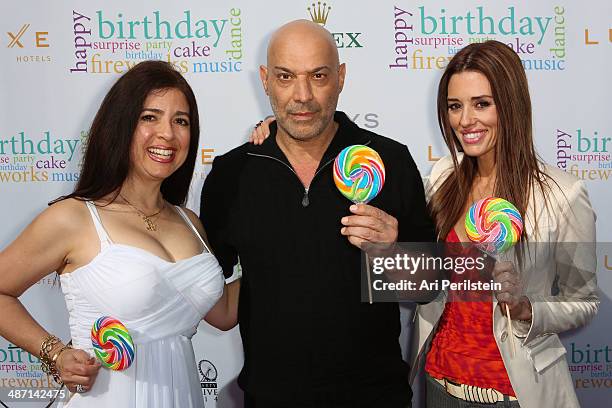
79 388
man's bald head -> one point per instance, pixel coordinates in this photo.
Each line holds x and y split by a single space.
303 79
302 34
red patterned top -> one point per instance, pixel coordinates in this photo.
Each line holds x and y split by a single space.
463 349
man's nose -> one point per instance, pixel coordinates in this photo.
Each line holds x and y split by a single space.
302 91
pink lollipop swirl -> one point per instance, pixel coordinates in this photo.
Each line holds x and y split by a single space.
494 224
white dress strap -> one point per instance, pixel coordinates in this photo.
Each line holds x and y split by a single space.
105 240
188 221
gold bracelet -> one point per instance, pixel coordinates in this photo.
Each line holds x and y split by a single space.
47 363
56 355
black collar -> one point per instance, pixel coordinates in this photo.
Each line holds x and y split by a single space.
348 134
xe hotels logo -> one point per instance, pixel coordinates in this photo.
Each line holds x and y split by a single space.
28 43
111 42
319 13
426 38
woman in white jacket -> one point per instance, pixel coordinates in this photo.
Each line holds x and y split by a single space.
484 112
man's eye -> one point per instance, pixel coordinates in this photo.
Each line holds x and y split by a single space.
284 77
318 76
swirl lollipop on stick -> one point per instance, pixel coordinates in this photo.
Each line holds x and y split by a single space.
359 173
112 343
495 225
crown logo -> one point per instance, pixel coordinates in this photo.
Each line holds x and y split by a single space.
319 13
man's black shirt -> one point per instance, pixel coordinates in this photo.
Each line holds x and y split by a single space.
307 337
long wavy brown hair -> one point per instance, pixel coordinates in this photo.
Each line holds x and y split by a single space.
517 168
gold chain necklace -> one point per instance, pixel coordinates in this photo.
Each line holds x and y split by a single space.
148 219
478 192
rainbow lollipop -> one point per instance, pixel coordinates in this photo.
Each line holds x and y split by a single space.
112 343
494 224
359 173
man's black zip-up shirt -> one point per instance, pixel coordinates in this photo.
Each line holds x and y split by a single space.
307 337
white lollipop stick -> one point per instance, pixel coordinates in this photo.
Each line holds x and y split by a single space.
510 332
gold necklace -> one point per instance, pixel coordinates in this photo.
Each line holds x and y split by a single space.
478 192
148 219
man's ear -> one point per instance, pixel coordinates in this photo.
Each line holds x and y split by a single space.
341 75
263 75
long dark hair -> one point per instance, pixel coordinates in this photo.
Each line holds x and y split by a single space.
517 165
107 158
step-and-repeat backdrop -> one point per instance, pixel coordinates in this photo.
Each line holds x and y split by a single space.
58 59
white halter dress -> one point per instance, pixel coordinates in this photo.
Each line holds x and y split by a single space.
161 304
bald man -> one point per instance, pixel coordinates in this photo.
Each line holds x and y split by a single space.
273 208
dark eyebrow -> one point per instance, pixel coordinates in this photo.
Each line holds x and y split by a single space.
472 98
321 68
317 69
283 69
159 111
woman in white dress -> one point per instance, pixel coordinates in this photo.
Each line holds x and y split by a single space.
124 247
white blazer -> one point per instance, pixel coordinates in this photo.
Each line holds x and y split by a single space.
539 372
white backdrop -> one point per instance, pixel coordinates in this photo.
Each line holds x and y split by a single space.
60 58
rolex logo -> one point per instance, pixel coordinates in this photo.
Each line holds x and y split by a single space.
319 13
